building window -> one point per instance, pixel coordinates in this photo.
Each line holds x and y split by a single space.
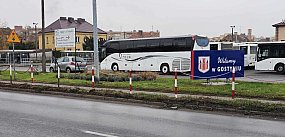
77 39
47 40
52 40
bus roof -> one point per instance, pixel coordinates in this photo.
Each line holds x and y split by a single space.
184 36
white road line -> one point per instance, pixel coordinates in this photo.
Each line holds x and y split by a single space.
99 134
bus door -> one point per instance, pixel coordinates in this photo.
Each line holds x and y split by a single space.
252 55
246 55
263 61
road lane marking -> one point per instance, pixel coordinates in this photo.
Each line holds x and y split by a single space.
99 134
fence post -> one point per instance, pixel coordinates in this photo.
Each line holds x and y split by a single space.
58 76
10 74
32 73
175 83
233 83
131 87
93 78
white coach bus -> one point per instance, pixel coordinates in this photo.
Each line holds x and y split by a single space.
250 50
271 56
151 54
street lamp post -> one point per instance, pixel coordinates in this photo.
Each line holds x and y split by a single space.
95 40
36 40
43 37
232 32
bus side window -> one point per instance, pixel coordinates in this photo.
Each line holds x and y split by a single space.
114 47
126 46
189 44
179 43
140 45
282 51
244 49
166 45
213 46
253 49
152 45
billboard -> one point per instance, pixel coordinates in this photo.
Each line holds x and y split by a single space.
217 64
65 38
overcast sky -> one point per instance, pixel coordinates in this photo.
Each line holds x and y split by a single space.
170 17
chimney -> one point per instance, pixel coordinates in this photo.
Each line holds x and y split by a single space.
70 19
249 34
62 18
141 33
80 20
236 36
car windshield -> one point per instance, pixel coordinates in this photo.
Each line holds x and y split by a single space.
78 59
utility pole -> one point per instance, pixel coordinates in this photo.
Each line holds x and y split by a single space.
95 40
36 40
232 32
43 38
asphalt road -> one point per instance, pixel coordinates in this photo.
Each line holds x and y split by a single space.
25 115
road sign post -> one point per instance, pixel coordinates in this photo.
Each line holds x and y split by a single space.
14 67
13 38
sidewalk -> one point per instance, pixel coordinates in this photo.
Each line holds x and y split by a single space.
148 92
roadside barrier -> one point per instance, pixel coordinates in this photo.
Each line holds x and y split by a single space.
233 83
10 74
131 87
93 78
175 83
58 76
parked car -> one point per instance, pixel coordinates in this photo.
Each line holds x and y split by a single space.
67 64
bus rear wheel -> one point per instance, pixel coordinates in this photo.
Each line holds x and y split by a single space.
164 68
280 68
115 67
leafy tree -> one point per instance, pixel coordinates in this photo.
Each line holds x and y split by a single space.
89 45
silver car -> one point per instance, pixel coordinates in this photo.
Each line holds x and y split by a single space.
67 64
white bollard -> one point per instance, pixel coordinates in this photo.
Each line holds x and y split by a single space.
58 76
32 73
233 83
93 78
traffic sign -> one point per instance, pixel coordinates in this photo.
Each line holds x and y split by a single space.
65 38
13 38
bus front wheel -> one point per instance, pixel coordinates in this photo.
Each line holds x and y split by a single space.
280 68
115 67
164 68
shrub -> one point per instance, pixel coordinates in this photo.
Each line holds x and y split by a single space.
148 75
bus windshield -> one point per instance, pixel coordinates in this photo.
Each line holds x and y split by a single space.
202 41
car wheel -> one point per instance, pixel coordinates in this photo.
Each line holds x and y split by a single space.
68 70
115 67
51 69
280 68
164 68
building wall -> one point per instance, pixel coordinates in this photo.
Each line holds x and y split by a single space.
281 33
50 42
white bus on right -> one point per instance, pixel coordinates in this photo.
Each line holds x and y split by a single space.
250 50
271 57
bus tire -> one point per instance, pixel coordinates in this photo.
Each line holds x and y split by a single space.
280 68
115 67
164 68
